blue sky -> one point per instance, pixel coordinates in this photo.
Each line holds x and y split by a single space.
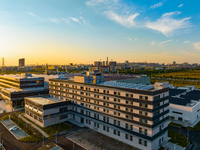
63 31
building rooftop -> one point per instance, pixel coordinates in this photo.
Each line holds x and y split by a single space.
127 85
21 76
12 90
184 97
44 100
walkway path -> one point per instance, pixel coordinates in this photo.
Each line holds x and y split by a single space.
34 126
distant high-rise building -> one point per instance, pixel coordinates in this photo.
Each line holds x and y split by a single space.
22 62
174 62
107 61
113 63
126 63
97 63
46 69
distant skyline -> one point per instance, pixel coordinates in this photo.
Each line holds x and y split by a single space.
82 31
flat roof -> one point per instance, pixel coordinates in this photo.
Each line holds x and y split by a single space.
12 90
19 76
127 85
44 100
184 97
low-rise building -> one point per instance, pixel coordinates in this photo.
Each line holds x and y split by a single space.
46 110
185 106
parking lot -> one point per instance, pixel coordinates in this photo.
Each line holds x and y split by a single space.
18 134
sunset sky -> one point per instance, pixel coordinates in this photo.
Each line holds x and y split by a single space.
81 31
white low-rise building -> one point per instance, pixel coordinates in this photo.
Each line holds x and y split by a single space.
185 106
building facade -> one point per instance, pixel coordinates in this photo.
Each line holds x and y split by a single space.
138 117
22 62
184 107
46 110
13 88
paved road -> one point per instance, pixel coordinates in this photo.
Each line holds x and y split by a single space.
11 143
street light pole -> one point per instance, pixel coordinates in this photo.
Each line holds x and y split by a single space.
56 137
0 136
188 132
43 141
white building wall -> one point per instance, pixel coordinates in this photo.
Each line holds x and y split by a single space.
190 114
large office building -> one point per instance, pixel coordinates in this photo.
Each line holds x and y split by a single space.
14 87
22 62
132 113
184 106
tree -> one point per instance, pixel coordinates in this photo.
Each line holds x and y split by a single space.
4 112
22 104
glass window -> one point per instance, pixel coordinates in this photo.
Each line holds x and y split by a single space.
140 141
145 143
131 138
114 131
118 133
126 136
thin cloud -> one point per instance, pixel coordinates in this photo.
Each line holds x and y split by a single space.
67 20
180 5
186 41
124 20
31 14
115 10
74 19
129 38
54 20
157 5
153 43
125 15
164 42
167 24
83 20
197 45
99 2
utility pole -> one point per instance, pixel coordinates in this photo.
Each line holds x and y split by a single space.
2 65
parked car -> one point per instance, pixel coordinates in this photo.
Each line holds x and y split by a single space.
14 128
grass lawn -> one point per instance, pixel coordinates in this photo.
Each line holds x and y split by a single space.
175 124
4 118
47 146
186 74
196 127
177 138
51 130
178 83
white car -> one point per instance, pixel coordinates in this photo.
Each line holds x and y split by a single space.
14 128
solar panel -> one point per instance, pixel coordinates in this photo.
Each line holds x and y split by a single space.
127 85
185 96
